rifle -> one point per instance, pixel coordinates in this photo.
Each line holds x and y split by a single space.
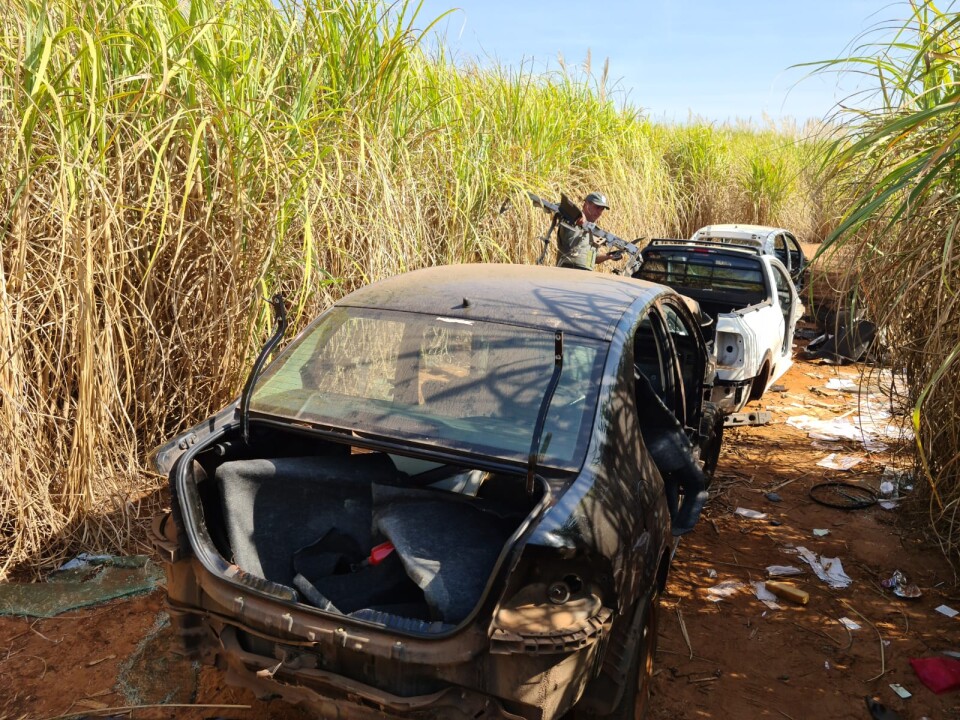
567 214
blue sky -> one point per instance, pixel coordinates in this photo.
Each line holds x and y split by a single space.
719 60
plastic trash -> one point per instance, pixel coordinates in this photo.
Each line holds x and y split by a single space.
900 586
764 595
748 513
830 570
773 497
940 674
821 532
783 570
834 461
901 690
946 610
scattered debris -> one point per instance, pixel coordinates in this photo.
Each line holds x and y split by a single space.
901 588
724 590
86 580
879 711
773 497
833 461
777 388
849 624
787 591
748 513
901 690
844 384
828 446
940 674
843 495
739 419
711 573
764 595
830 570
821 532
783 570
948 611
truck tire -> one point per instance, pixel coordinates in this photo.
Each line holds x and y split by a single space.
759 385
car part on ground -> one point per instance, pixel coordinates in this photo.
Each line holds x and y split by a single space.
383 542
843 495
740 419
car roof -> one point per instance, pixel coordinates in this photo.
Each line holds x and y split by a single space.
709 248
588 304
736 230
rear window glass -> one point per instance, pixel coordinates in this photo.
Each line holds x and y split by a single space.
704 271
466 385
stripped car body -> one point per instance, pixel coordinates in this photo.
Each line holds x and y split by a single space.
751 300
458 496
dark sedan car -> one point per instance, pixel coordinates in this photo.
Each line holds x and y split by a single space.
456 494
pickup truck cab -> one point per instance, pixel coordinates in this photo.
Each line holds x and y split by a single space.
752 304
780 243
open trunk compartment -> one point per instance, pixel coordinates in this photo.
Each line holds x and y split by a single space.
310 521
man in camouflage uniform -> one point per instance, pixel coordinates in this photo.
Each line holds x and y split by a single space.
577 248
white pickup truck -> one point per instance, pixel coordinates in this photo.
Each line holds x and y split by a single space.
751 301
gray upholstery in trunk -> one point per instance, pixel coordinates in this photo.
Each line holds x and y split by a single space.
309 523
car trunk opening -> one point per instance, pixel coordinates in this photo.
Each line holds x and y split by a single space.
400 542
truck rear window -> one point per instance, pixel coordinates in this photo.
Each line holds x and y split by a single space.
718 274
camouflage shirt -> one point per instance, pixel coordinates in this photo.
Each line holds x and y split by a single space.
574 248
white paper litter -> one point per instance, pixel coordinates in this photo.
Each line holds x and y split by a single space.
849 624
764 595
724 590
748 513
946 610
888 504
869 427
821 532
830 570
783 570
842 384
828 446
833 461
711 573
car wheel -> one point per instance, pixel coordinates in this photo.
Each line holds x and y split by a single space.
635 698
711 441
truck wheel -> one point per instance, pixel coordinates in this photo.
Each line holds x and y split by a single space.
759 385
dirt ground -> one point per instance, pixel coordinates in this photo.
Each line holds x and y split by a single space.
717 658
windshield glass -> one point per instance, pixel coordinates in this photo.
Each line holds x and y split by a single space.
691 271
465 385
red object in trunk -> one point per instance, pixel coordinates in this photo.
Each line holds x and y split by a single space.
380 553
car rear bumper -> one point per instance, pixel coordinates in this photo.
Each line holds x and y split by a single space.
332 696
337 667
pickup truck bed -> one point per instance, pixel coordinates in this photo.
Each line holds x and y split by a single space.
752 302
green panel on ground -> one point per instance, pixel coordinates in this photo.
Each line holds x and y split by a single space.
91 584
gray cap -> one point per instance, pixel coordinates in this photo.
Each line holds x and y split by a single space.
598 199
